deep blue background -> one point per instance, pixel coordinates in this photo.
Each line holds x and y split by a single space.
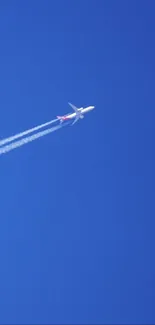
77 213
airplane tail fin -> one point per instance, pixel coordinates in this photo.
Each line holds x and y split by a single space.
60 119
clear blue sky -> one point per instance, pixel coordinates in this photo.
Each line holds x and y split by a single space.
77 213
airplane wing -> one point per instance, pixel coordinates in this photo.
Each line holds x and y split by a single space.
74 108
78 113
76 119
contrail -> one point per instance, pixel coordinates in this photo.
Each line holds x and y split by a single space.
21 134
28 139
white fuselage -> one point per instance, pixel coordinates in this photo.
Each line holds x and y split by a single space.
81 110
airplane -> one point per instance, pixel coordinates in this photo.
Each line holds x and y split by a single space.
77 115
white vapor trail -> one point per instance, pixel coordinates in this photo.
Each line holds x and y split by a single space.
28 139
21 134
